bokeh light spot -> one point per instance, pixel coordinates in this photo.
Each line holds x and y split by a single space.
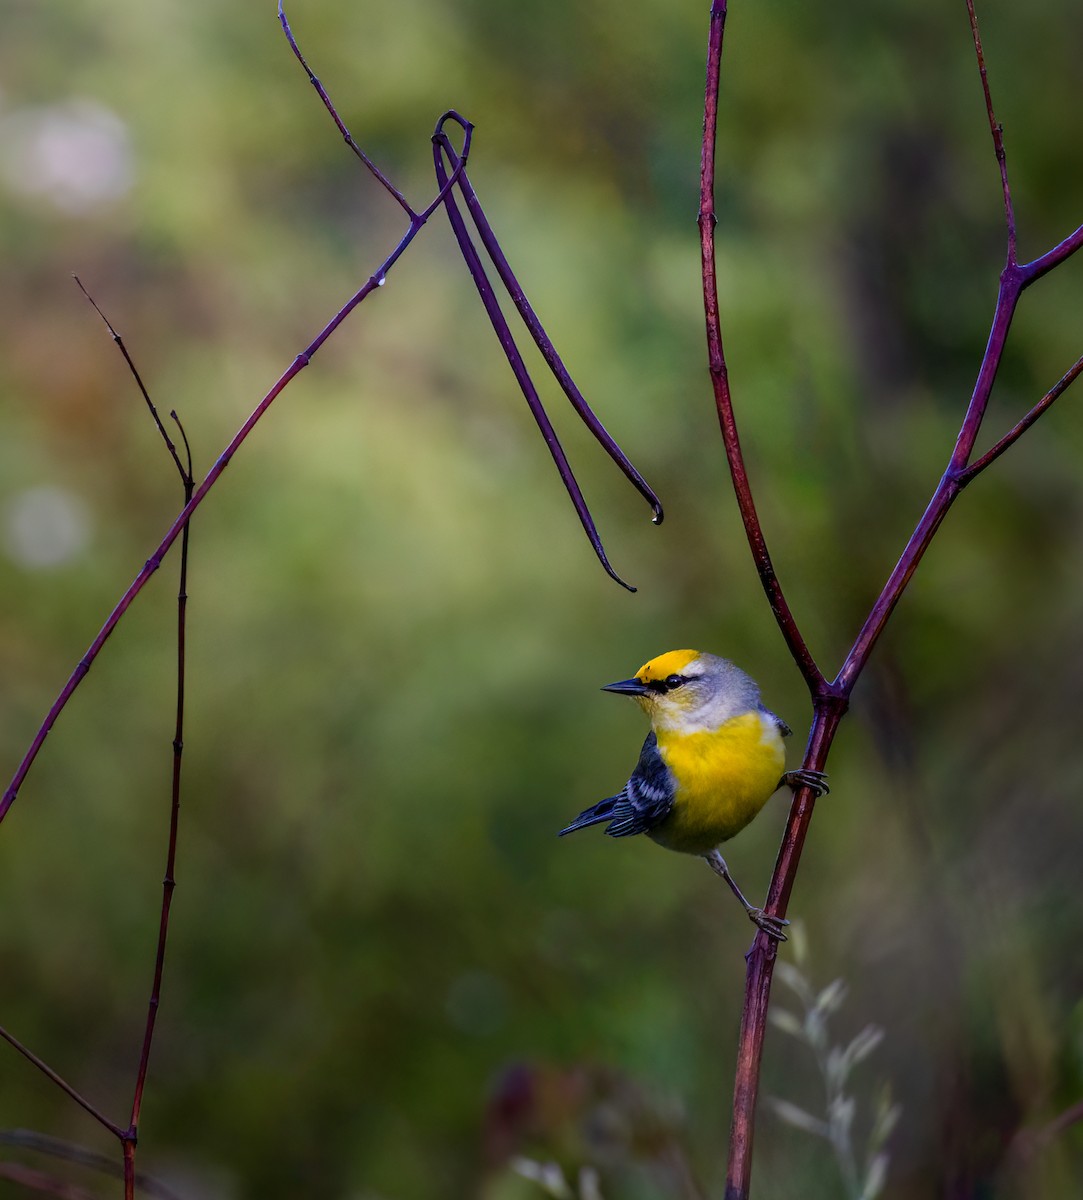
75 155
45 527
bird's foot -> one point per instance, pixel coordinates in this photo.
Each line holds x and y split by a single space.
772 926
816 780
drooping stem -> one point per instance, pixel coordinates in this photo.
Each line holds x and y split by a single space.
519 369
542 339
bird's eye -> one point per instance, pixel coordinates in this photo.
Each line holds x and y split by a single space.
674 681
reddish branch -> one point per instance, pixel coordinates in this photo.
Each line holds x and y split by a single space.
830 699
716 361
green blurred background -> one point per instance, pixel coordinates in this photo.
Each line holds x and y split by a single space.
386 975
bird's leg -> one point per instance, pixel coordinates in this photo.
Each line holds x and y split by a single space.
772 926
816 780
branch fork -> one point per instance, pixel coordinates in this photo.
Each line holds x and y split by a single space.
831 697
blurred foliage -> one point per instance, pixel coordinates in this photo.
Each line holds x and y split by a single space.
397 628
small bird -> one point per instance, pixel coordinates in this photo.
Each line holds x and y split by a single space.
712 760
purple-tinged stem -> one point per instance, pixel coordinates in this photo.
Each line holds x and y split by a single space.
155 561
760 960
519 368
383 180
185 476
128 1149
169 880
64 1086
1011 286
997 130
542 340
958 474
1014 280
943 497
1052 258
1017 430
829 704
720 375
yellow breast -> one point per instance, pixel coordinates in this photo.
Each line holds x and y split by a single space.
724 777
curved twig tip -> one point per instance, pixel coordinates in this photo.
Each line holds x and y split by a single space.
452 114
628 587
190 477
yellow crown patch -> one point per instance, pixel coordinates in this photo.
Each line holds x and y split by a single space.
671 663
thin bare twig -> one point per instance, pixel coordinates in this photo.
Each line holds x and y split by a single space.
61 1083
1017 430
169 880
997 130
186 475
347 137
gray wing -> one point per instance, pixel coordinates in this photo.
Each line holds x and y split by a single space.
643 802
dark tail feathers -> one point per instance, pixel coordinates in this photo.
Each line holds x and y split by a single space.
595 815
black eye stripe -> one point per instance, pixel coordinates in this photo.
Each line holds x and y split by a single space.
666 685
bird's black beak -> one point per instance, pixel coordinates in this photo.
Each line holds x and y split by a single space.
628 687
